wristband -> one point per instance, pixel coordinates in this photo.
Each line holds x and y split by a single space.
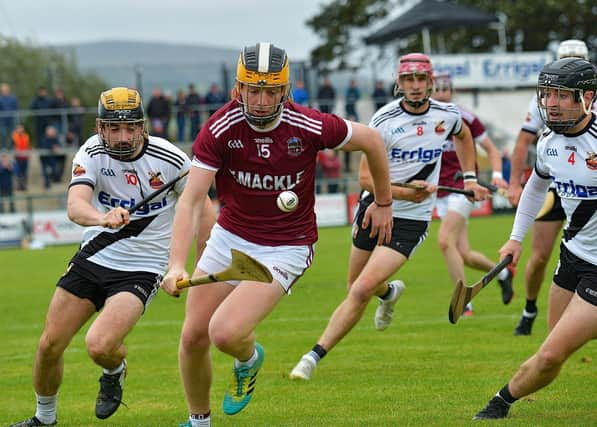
383 205
469 176
497 175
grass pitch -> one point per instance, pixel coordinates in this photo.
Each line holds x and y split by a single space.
422 371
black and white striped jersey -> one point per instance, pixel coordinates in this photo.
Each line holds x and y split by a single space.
570 161
414 144
143 244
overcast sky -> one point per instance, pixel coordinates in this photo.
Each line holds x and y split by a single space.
227 23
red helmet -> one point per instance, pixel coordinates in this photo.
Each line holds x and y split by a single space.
415 63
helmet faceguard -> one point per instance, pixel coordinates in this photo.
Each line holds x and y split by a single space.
573 48
414 64
121 122
561 93
262 74
442 82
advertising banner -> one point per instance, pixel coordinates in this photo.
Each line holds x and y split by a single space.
492 70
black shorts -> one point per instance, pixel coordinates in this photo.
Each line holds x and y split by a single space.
407 234
91 281
556 213
575 274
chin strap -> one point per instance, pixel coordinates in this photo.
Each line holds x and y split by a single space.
416 104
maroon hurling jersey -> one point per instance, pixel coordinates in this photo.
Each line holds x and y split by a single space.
254 166
450 163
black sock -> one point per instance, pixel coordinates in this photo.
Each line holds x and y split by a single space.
531 306
388 292
200 416
319 350
504 393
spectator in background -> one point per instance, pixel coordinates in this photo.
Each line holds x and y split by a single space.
393 92
168 104
8 105
194 102
215 98
22 147
326 96
379 95
6 187
299 93
41 120
181 114
353 94
49 146
506 164
76 117
59 118
330 167
158 111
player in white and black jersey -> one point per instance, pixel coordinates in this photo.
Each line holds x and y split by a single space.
122 258
567 157
414 128
551 217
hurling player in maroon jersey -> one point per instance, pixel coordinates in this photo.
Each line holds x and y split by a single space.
256 146
454 209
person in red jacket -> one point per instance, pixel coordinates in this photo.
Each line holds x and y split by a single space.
22 147
330 167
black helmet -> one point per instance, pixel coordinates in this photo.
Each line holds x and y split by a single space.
120 105
569 74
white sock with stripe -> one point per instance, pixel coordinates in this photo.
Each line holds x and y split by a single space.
46 408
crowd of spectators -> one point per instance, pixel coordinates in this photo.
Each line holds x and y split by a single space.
54 123
189 107
329 166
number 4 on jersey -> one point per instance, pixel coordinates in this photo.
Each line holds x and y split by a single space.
571 159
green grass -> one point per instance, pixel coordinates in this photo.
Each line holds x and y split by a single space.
422 371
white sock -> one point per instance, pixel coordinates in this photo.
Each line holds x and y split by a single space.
503 275
252 359
116 370
529 315
313 357
46 408
200 420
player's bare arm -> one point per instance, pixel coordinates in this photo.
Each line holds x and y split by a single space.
379 214
185 227
518 161
495 160
81 211
465 150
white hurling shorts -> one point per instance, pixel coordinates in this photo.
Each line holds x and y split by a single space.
286 263
456 203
